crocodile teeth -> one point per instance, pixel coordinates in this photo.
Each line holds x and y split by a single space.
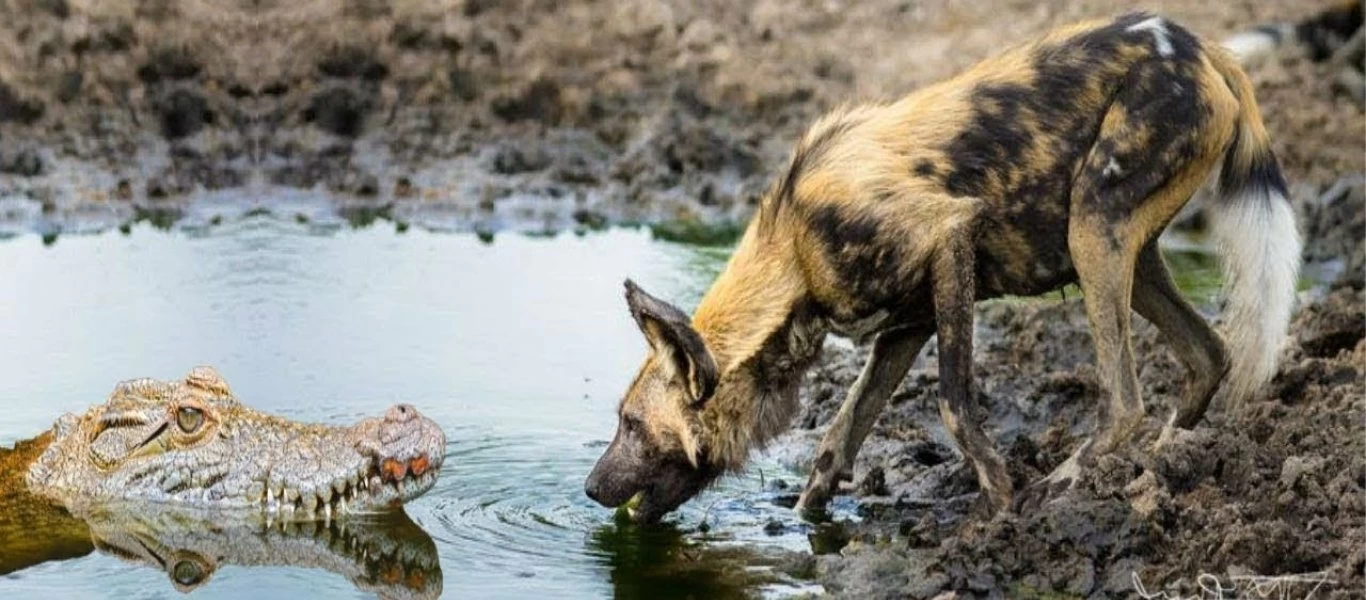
339 486
291 495
325 494
310 503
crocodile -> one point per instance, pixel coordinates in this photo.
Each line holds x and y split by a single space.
192 443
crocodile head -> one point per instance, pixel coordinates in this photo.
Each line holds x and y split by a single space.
192 443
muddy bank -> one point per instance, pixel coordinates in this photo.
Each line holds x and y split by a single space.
1275 490
526 115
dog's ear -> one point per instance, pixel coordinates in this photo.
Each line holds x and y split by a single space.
669 331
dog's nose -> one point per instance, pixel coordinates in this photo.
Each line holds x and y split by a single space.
593 488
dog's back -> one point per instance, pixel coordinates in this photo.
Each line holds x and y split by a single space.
1014 141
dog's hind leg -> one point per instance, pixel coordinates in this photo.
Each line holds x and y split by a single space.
1160 139
1106 275
1158 300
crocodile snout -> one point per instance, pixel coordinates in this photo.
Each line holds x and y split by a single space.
407 449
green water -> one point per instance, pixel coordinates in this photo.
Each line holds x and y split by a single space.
1195 272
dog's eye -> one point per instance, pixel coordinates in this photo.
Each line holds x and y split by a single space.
189 419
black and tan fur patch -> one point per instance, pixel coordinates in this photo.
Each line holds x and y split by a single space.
1021 136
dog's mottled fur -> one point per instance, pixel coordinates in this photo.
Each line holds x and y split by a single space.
1056 162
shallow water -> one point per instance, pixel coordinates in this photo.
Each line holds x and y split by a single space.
519 348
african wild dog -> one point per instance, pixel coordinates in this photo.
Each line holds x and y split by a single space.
1058 161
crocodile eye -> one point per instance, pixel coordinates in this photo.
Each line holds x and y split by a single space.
189 419
187 573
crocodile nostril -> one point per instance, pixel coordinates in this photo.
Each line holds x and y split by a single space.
400 413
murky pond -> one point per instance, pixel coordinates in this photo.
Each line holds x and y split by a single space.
518 347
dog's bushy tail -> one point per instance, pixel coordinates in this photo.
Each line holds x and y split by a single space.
1254 227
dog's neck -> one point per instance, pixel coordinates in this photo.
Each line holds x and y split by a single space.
759 324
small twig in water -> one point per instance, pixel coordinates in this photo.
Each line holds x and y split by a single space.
703 527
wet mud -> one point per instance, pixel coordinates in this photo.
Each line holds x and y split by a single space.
1274 488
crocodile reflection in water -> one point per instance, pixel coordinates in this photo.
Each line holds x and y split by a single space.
389 555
